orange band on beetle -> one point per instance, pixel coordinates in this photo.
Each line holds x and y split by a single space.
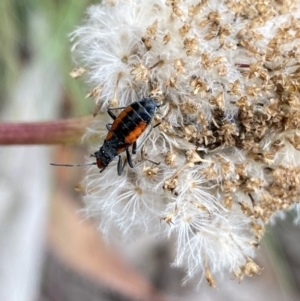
136 132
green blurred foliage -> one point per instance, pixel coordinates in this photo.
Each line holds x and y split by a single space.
21 41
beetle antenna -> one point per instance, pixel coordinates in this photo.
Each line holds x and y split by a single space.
73 165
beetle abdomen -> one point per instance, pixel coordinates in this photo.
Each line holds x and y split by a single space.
132 121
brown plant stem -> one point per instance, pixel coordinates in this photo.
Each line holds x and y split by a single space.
64 131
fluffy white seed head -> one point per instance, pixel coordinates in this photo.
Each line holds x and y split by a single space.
227 75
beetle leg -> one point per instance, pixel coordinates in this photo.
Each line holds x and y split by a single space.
129 158
120 169
156 163
111 114
134 148
102 169
143 160
121 166
138 164
146 159
108 126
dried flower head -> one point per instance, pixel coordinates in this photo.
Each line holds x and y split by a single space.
227 74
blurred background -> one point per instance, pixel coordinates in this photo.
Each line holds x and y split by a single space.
48 250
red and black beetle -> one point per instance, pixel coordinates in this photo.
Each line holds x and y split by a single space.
124 132
126 128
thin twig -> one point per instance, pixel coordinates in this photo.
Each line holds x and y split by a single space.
65 131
